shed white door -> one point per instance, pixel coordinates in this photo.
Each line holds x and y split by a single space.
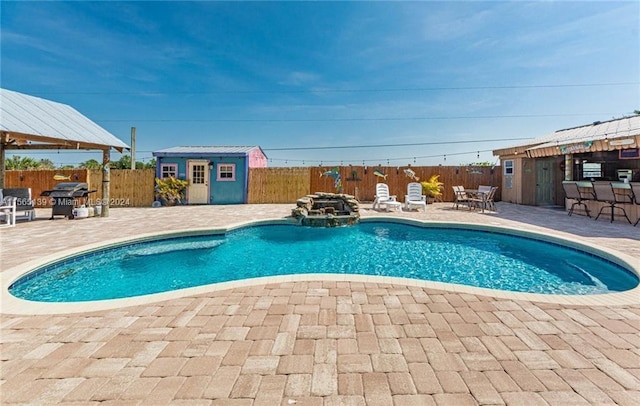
198 182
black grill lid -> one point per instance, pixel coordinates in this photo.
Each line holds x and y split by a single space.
71 186
68 189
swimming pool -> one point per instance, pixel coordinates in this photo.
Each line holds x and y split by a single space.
488 258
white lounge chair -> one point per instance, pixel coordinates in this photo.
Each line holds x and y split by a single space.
8 211
383 197
414 197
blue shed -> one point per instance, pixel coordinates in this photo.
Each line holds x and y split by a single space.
216 175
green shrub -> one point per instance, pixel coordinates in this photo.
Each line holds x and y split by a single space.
171 190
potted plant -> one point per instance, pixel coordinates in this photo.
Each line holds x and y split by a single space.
432 188
170 190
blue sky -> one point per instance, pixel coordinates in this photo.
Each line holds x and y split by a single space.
435 82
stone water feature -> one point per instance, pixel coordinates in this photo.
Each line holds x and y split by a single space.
323 209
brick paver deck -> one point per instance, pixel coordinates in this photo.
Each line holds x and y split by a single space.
319 342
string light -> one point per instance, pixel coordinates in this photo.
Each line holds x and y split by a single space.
374 161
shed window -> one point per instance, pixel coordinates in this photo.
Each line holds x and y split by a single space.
168 170
226 172
508 167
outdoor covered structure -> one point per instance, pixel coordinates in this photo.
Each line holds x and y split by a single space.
33 123
533 172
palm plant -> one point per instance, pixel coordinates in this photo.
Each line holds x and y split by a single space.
432 188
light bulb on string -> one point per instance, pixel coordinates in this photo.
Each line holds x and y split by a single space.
445 157
478 156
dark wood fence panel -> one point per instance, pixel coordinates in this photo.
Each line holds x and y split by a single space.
129 188
360 181
41 180
284 185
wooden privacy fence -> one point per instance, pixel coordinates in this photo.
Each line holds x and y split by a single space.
286 185
135 188
278 185
128 188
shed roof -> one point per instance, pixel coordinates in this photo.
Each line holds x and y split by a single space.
27 120
624 132
207 150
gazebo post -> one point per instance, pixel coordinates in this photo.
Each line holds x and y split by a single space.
106 178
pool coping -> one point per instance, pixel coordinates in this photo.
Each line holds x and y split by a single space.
10 304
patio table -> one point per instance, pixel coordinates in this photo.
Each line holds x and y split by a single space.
477 196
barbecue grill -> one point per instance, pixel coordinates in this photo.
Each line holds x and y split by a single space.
64 197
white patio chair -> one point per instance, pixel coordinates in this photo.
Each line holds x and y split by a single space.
414 197
8 211
383 197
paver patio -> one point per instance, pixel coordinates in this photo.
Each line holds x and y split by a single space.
319 342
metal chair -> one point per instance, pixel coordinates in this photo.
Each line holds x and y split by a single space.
489 201
572 191
604 193
460 197
635 191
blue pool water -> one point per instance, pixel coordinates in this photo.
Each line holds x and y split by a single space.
467 257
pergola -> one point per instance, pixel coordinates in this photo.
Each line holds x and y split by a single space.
33 123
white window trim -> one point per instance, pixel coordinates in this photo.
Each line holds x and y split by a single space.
174 169
508 167
233 170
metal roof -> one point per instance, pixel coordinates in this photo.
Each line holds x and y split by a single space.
206 150
603 132
27 119
598 131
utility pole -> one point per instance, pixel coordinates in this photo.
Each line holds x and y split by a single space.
133 148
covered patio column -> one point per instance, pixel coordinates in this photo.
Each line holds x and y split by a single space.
106 178
568 167
3 173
